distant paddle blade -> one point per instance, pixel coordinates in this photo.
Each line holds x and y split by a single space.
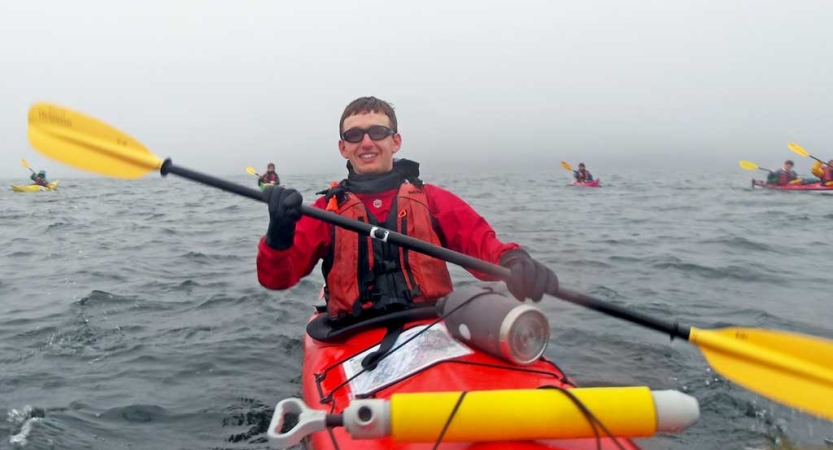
748 165
790 368
24 163
251 170
86 143
566 166
798 149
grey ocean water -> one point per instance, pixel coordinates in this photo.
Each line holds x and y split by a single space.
131 315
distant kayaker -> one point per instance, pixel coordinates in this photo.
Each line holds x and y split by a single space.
270 177
366 276
582 175
823 171
39 178
782 176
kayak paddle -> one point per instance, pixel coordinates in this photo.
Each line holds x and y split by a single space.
790 368
748 165
567 166
26 165
800 150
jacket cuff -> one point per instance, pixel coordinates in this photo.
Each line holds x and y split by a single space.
269 251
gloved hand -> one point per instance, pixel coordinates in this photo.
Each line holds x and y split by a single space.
284 213
530 279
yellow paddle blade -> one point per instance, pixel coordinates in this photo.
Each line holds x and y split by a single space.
566 166
251 170
25 164
83 142
798 149
790 368
748 165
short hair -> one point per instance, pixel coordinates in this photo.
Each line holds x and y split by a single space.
364 105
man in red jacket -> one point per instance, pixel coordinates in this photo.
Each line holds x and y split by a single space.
365 276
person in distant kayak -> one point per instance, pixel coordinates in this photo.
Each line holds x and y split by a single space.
582 175
824 171
782 176
366 277
270 177
39 178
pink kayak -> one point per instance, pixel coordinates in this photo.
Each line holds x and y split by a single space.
793 187
594 183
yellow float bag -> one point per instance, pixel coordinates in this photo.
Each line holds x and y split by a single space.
528 414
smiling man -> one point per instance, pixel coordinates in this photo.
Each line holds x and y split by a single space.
366 277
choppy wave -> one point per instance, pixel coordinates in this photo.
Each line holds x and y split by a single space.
740 243
23 421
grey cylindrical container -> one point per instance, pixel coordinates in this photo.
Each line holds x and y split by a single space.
496 324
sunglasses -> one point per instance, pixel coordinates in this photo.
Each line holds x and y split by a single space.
376 133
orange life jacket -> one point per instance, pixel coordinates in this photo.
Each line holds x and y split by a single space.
363 273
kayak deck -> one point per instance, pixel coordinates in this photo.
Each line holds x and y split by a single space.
437 364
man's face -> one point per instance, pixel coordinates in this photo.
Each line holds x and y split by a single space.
369 156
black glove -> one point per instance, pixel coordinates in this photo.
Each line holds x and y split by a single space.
284 213
530 279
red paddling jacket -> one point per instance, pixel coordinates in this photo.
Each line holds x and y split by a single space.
366 274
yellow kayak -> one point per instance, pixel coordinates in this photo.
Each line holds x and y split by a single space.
35 188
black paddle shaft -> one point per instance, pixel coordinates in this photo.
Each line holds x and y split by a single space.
388 236
169 167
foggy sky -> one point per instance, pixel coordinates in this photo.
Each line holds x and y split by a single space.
477 85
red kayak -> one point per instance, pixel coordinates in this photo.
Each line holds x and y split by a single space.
793 187
325 387
594 183
465 373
